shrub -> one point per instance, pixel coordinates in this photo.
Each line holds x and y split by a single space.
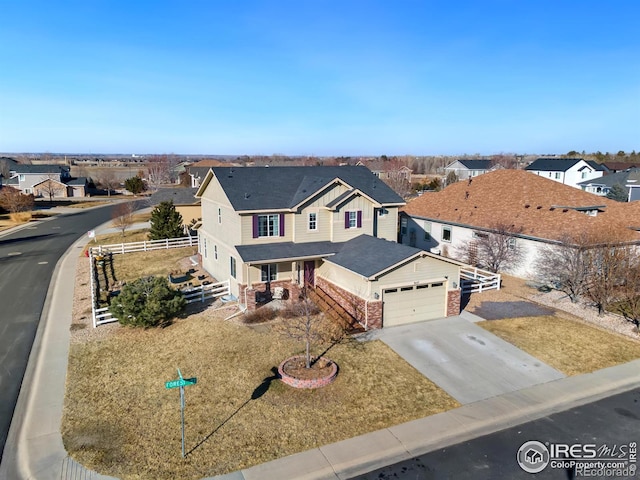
260 315
20 217
147 302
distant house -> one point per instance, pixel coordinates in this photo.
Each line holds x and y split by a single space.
387 169
629 180
184 200
197 171
615 167
465 168
568 171
539 212
46 181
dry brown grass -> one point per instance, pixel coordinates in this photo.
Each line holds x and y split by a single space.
565 344
120 420
143 264
20 217
93 203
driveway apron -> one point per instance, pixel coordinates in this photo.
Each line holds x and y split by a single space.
466 361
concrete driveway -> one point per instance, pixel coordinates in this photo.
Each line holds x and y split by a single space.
466 361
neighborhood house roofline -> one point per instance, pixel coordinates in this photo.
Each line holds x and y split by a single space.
49 180
516 235
288 259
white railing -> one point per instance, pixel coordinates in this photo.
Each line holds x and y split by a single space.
203 293
145 246
475 280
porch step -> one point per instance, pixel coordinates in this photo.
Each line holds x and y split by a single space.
335 311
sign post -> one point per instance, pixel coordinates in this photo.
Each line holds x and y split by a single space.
181 383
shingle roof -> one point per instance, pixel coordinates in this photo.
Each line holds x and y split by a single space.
368 256
77 181
286 251
272 188
525 201
612 179
179 196
617 166
476 164
24 168
553 164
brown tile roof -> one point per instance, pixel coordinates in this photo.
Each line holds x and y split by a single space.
529 202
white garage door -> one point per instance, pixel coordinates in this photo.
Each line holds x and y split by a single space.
413 303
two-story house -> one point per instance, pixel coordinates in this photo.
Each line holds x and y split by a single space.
568 171
46 181
333 228
467 168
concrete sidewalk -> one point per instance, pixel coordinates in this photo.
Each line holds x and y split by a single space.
34 448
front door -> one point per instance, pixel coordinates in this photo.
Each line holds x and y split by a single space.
310 273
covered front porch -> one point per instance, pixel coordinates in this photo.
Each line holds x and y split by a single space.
279 271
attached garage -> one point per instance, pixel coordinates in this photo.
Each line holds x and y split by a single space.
414 303
383 283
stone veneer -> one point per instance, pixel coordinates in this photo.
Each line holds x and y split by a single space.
453 302
369 313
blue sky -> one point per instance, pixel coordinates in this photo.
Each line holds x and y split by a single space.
320 77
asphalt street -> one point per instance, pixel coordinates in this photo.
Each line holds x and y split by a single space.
27 260
613 422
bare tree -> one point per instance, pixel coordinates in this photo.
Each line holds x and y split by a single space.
123 216
565 266
305 324
628 294
108 181
51 186
495 250
161 169
608 268
12 200
397 176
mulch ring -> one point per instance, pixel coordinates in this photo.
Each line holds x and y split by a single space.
499 310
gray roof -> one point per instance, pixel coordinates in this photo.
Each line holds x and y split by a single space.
476 164
80 181
273 188
198 172
286 251
620 178
24 168
367 255
561 164
179 196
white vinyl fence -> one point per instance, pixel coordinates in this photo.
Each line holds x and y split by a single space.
201 293
475 279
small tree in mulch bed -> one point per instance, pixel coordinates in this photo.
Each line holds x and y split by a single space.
147 302
300 321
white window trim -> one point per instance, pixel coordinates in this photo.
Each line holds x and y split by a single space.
447 229
276 226
353 222
315 214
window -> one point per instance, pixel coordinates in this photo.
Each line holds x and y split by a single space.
557 175
427 230
233 267
27 191
268 225
219 215
21 178
269 273
215 252
205 248
403 226
511 243
313 221
353 219
584 174
446 234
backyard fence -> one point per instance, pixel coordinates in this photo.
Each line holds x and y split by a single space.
192 294
474 280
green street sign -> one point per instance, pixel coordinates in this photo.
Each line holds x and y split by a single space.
181 382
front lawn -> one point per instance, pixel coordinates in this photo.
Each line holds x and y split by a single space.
120 420
567 345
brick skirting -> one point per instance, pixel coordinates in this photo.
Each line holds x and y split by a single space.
367 313
453 302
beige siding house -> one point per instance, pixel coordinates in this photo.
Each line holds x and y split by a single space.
269 229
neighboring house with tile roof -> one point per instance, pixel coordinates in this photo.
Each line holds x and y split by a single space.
541 211
615 167
47 181
469 168
568 171
629 180
333 228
